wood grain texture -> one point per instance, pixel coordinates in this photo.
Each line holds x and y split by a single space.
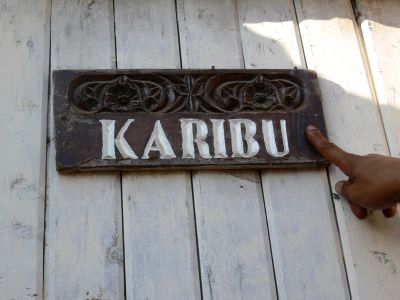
304 239
84 255
380 28
303 232
353 121
24 48
160 245
269 34
234 251
160 238
146 34
287 100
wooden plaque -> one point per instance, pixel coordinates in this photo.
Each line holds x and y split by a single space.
146 119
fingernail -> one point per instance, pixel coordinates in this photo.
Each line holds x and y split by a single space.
338 187
311 128
389 212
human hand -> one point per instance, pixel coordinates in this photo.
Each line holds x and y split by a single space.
374 180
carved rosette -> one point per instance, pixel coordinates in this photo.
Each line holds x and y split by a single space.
120 95
208 93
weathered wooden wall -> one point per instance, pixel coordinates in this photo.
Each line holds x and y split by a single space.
200 234
24 60
84 238
160 237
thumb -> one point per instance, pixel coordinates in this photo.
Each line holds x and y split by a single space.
330 151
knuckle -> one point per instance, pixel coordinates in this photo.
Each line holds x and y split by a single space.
373 155
347 192
326 145
354 157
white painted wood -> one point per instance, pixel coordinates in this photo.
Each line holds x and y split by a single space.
269 34
146 34
160 246
24 57
208 34
84 258
234 250
160 239
233 241
380 27
303 232
353 121
305 246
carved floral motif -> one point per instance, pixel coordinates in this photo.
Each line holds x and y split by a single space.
212 93
122 95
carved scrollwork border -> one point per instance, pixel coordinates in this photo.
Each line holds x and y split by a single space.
190 92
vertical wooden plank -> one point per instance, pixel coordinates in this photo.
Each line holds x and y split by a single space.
146 34
160 246
380 27
269 34
160 239
232 235
84 258
353 121
24 56
304 238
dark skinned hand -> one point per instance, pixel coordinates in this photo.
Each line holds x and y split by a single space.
374 180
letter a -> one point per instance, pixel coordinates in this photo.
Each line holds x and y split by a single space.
158 142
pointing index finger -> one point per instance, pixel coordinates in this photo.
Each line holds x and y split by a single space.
339 157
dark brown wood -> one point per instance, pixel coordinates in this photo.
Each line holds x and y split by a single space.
83 98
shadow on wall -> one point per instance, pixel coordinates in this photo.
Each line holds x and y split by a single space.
274 51
353 122
351 111
355 107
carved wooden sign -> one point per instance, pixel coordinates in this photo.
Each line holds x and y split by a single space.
136 119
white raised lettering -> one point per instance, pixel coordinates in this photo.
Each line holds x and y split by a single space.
237 138
158 142
269 138
188 141
219 138
108 133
